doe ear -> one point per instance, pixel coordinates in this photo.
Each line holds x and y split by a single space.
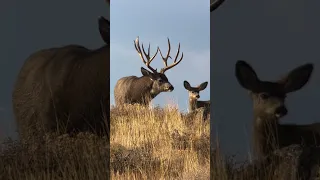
104 29
147 73
297 78
246 76
202 86
186 85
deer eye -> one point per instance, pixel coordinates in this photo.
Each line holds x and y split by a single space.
160 80
264 95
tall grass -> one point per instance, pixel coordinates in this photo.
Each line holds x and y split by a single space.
159 143
291 162
84 156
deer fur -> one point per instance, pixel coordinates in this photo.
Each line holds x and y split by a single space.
141 90
64 89
269 107
194 95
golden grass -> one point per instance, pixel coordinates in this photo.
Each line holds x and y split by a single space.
158 144
145 144
84 156
280 166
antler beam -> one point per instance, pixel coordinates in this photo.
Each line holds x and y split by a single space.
149 60
215 4
165 59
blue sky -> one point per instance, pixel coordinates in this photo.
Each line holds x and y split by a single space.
187 22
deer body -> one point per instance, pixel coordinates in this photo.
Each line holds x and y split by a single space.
269 107
194 103
141 90
133 89
62 89
268 137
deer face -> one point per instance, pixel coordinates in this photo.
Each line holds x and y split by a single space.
269 104
194 92
160 81
269 97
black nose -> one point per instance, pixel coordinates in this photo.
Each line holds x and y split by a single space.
171 88
282 111
198 96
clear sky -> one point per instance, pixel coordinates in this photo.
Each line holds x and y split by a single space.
184 21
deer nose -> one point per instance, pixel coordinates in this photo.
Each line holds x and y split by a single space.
198 96
281 111
171 88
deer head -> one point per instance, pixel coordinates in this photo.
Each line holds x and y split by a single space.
194 92
269 97
160 80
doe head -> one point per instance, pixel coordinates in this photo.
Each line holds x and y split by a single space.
269 97
194 92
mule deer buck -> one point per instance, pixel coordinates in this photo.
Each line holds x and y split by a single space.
269 107
194 95
215 4
142 90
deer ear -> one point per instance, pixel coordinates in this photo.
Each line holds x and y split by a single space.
186 85
246 76
297 78
147 73
104 29
203 86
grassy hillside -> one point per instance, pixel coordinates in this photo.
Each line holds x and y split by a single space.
158 143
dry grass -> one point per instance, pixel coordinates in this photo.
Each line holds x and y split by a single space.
84 156
145 144
158 144
272 167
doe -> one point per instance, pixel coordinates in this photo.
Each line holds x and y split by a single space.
194 95
269 106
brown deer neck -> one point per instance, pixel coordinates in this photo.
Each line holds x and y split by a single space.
193 104
146 87
265 134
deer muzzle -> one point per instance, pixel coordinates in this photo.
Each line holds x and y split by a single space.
281 111
169 88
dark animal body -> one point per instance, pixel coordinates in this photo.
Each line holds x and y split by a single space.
269 107
270 136
64 90
141 90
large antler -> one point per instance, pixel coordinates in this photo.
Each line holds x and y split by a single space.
147 63
215 4
165 59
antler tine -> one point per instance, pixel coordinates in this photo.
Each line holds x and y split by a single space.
148 57
165 59
175 62
214 5
148 61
